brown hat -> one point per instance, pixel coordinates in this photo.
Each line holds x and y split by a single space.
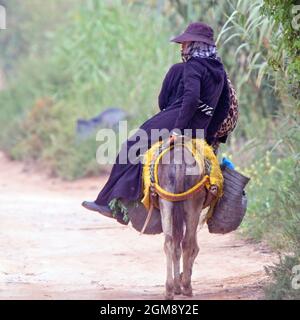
196 31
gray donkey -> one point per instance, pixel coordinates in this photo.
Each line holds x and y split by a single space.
178 220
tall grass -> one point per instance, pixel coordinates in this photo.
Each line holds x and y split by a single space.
273 214
107 55
109 59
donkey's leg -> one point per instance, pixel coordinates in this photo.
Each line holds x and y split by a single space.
176 262
166 217
189 245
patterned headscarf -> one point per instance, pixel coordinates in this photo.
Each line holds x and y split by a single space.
199 49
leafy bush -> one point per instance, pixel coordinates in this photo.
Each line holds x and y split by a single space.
287 39
281 274
273 212
272 202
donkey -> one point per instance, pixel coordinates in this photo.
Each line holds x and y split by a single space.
180 219
177 172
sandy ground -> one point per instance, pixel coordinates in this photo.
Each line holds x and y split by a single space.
52 248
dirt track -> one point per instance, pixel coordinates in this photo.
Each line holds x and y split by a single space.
52 248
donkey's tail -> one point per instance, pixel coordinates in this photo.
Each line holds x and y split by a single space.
178 209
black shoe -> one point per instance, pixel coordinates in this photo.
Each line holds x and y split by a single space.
91 205
104 210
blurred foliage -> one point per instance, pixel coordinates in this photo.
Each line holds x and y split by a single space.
271 44
287 199
101 57
180 12
287 39
280 288
109 59
30 28
273 203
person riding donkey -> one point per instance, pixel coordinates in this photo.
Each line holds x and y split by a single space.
195 94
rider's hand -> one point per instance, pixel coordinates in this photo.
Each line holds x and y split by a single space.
173 136
174 133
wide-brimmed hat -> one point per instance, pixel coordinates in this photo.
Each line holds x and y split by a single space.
196 31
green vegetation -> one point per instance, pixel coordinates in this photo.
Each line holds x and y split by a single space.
102 57
101 53
273 213
287 194
280 288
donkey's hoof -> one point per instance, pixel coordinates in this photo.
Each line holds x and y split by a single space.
177 290
169 296
187 291
169 291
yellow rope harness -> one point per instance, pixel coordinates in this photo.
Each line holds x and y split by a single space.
197 147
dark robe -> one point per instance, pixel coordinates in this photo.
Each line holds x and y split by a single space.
179 99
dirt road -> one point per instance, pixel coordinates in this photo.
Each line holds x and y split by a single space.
52 248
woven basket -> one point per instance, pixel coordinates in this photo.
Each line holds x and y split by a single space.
137 214
231 208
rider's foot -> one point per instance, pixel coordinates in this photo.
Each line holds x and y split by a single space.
104 210
91 205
